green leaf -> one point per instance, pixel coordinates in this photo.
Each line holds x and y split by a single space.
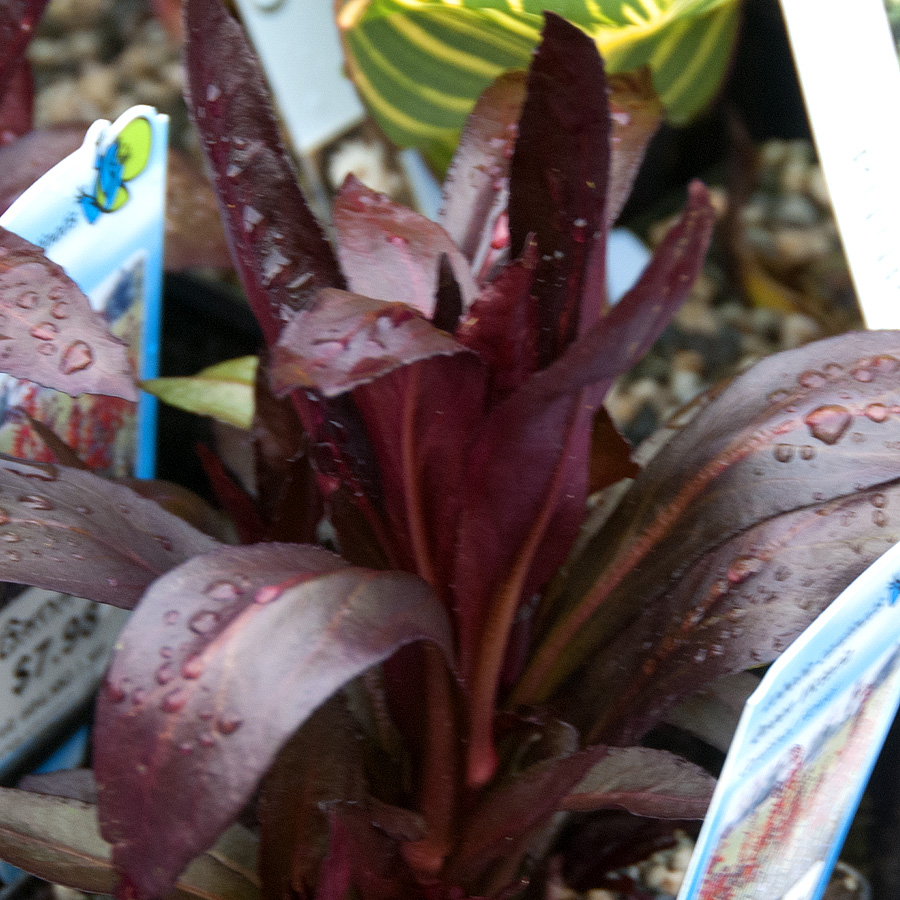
58 839
420 65
223 391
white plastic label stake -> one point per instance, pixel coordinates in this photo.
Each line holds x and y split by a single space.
848 70
298 44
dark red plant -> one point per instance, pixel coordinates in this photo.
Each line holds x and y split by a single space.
408 718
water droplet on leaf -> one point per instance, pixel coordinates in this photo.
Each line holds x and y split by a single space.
35 501
784 452
174 700
224 589
165 673
228 725
204 621
879 518
171 617
811 379
76 357
193 667
828 423
877 412
44 331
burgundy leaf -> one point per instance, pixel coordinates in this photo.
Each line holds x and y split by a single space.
16 105
71 531
646 783
239 506
194 235
26 159
193 714
62 452
611 458
345 340
48 331
800 429
391 253
513 808
477 183
278 247
320 765
636 111
18 20
740 605
558 183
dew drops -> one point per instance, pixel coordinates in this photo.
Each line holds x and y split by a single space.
115 692
83 510
206 740
27 300
784 452
811 379
885 364
171 617
251 218
13 555
879 501
832 370
192 668
877 412
185 749
879 518
44 331
46 349
174 701
267 594
163 541
77 357
223 590
4 516
807 452
212 93
60 310
112 582
273 265
166 652
700 655
165 673
228 725
397 240
10 537
35 501
138 697
862 375
782 573
828 423
204 621
778 396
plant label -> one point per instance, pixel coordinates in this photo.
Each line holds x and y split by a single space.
803 751
99 214
856 140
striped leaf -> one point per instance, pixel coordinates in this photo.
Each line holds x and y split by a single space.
420 64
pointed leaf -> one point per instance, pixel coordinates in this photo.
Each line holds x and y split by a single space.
391 253
278 247
558 183
646 783
48 331
58 839
800 429
223 391
345 340
193 713
69 530
477 183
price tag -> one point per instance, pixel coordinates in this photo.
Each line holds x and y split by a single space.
53 651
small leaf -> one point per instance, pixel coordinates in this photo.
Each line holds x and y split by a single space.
646 783
477 182
48 331
279 249
223 391
58 839
345 340
391 253
72 531
194 712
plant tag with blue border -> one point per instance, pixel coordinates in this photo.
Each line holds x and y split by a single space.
803 751
99 214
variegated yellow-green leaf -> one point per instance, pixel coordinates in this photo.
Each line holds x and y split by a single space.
223 391
420 64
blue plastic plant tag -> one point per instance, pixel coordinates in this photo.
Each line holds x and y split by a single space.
803 751
99 213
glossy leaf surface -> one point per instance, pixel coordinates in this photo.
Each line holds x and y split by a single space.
194 711
391 253
69 530
48 331
799 430
223 391
645 782
278 247
58 839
